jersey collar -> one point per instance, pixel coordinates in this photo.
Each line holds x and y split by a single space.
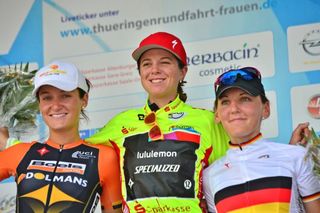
65 146
245 144
167 108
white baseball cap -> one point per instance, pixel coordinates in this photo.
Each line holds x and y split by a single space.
64 76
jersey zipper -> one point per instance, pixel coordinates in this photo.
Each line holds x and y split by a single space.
51 182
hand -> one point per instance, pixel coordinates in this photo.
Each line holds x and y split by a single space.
301 134
4 135
203 205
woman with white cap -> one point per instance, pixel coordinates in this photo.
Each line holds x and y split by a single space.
63 174
256 175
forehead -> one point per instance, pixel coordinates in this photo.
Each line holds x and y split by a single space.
48 88
52 89
234 91
156 52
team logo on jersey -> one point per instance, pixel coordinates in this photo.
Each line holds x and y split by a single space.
264 156
183 127
141 117
176 115
187 184
130 183
83 155
57 178
43 151
38 202
61 166
126 130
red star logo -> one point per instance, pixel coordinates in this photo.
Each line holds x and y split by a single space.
43 151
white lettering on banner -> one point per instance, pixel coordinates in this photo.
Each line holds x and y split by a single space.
157 168
58 179
157 154
210 58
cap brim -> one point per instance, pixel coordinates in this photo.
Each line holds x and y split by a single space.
249 91
252 87
58 84
139 51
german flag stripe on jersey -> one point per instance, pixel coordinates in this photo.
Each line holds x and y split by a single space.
265 208
311 197
253 193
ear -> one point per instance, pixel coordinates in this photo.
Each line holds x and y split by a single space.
184 72
266 110
216 117
85 100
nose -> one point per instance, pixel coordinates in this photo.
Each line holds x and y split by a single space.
56 104
234 107
155 68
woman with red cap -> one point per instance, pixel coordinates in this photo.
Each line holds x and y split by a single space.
256 175
163 146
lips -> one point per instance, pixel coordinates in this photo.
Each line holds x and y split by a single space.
157 80
60 115
236 119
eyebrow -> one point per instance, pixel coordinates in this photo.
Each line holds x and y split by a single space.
164 57
241 94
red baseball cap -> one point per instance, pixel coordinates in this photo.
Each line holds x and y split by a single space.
164 41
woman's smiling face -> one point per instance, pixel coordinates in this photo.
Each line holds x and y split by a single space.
160 74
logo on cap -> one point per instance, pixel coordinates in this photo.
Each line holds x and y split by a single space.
174 43
54 66
54 71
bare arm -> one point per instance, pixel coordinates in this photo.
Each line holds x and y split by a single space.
312 206
300 134
4 135
109 172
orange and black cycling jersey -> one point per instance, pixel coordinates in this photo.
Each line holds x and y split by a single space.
69 178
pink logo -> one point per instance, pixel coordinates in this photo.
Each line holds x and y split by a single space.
43 151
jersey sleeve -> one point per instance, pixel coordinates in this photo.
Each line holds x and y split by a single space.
308 182
110 178
219 140
106 133
10 159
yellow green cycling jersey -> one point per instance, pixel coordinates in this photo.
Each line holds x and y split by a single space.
164 175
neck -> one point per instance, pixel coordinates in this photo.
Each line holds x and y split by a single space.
246 139
63 138
161 102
